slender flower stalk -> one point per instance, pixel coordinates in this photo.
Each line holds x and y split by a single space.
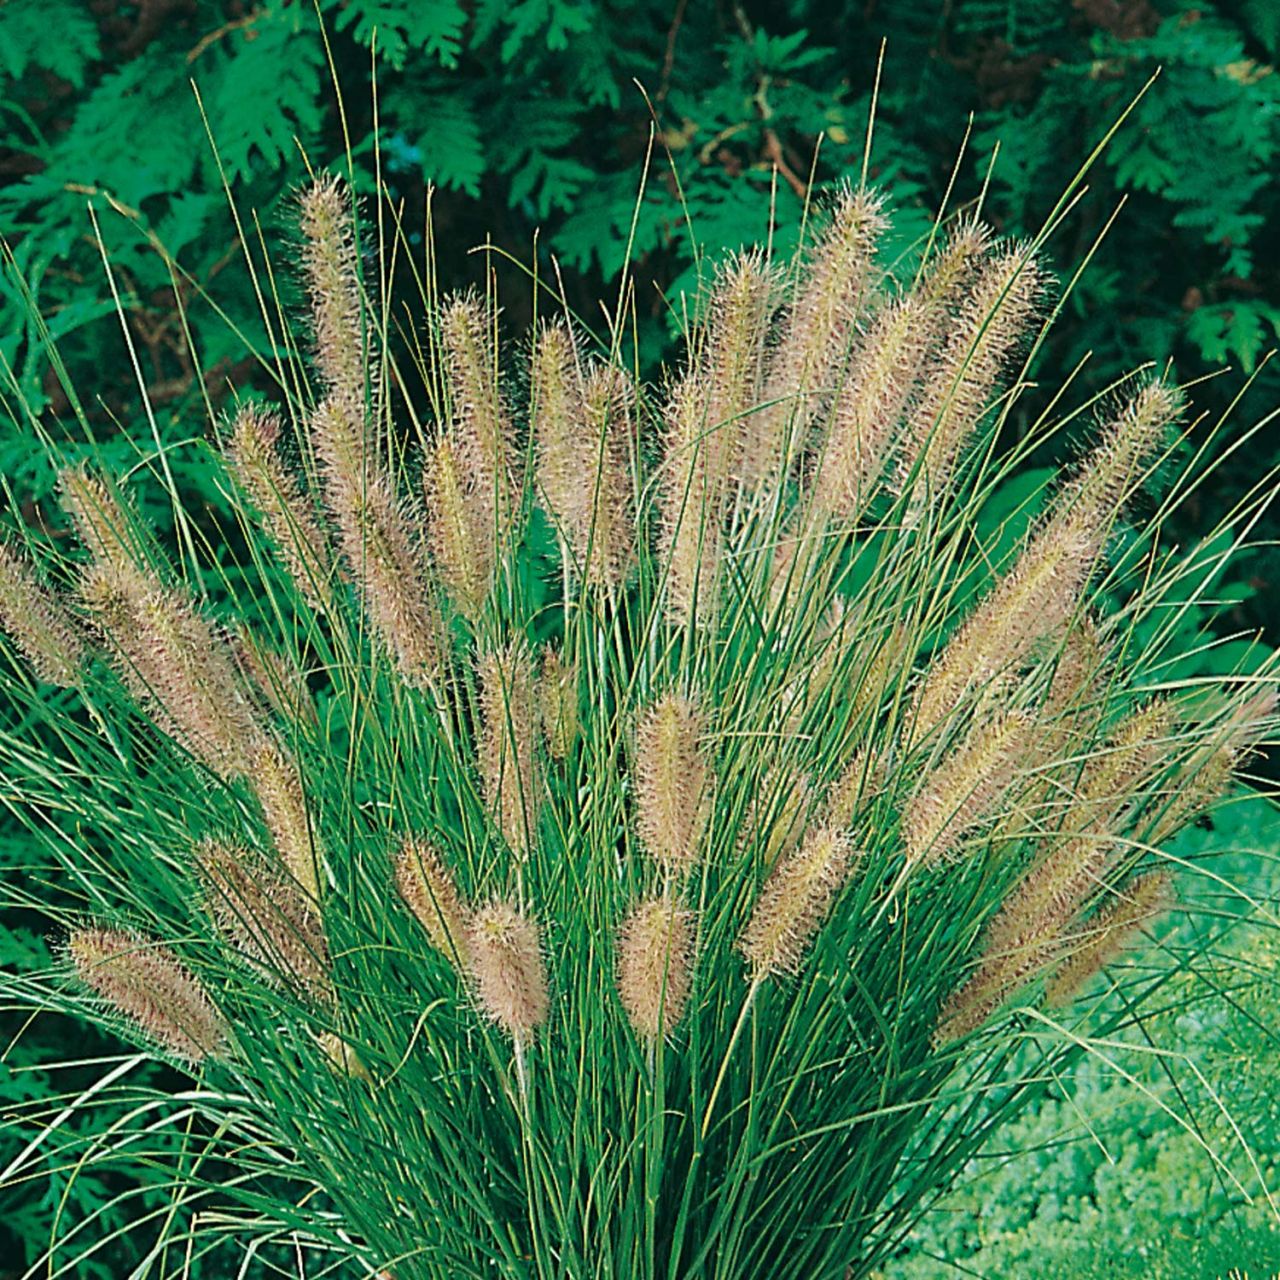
38 624
509 971
509 734
795 902
673 783
146 983
655 959
253 451
428 890
266 919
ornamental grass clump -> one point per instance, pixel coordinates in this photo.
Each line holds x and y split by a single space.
578 826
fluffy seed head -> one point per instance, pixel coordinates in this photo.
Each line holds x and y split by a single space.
794 902
741 441
655 960
508 968
480 426
1102 939
966 789
389 569
673 782
179 668
253 453
38 624
460 527
558 702
509 731
994 319
1031 603
821 323
266 918
333 281
278 785
868 410
107 527
146 983
1129 441
428 890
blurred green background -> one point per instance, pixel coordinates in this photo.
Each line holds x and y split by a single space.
533 119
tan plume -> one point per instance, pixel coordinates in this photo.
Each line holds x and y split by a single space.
794 902
673 782
428 890
266 918
508 968
253 452
41 628
509 732
655 960
147 984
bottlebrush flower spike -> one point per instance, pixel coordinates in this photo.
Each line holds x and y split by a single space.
333 281
794 902
428 890
108 528
389 569
461 524
253 452
509 732
740 442
146 983
37 622
176 664
868 411
581 424
508 968
655 960
673 783
820 324
558 702
993 322
266 918
1024 937
278 785
967 788
1102 939
480 427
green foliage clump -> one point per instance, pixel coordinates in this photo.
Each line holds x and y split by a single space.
566 823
